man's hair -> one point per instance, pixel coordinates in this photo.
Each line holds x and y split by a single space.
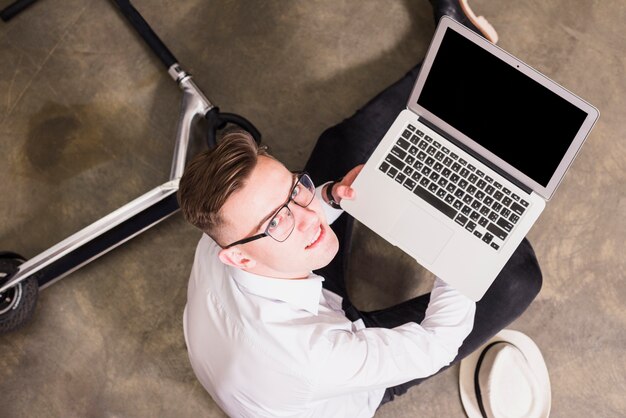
212 176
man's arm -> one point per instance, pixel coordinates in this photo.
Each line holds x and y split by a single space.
374 358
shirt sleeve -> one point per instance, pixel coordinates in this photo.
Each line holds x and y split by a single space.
331 213
374 358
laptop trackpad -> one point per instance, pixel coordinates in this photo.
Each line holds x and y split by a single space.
420 234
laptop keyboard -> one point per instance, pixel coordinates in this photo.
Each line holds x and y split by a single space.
459 190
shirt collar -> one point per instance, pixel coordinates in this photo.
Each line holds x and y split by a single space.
304 293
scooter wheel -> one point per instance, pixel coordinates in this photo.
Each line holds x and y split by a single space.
17 303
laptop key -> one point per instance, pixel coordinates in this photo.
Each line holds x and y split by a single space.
414 139
418 165
434 176
515 197
409 184
481 184
419 133
445 150
408 170
471 189
442 182
478 234
505 212
384 167
504 224
460 219
421 155
463 184
456 167
474 216
466 210
422 145
496 206
392 172
487 237
435 202
449 198
498 195
480 173
424 181
427 138
496 231
436 144
430 161
489 179
413 150
462 161
497 185
467 199
437 166
403 143
479 195
506 191
470 226
454 178
483 221
431 150
447 161
406 134
398 152
441 193
519 209
473 178
471 167
454 156
451 188
495 246
459 193
524 203
514 218
446 172
490 189
507 201
464 172
488 200
493 216
409 160
397 163
433 187
439 156
411 127
457 204
426 171
476 204
400 177
484 210
416 176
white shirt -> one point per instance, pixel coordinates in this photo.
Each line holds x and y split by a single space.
265 347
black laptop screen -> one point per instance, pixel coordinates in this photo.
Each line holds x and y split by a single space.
496 105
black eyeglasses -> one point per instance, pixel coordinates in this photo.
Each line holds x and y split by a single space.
282 223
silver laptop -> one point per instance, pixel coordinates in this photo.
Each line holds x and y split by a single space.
465 171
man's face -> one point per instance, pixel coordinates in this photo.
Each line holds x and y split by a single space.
311 245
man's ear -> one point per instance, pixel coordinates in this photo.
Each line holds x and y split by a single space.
235 257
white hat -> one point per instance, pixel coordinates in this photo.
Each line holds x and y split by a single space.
505 378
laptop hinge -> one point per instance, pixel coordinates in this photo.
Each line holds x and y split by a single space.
476 155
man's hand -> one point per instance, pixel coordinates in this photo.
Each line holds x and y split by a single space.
343 189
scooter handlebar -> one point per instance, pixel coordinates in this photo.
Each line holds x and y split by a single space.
218 120
146 32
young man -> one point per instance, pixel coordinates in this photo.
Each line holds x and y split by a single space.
269 337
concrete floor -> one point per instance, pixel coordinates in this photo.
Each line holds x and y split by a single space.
88 117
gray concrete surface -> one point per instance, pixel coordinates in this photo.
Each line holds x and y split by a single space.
87 123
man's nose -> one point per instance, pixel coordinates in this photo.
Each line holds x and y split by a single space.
305 217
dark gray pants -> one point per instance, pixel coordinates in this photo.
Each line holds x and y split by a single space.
350 143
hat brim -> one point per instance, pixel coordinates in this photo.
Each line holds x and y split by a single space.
536 363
